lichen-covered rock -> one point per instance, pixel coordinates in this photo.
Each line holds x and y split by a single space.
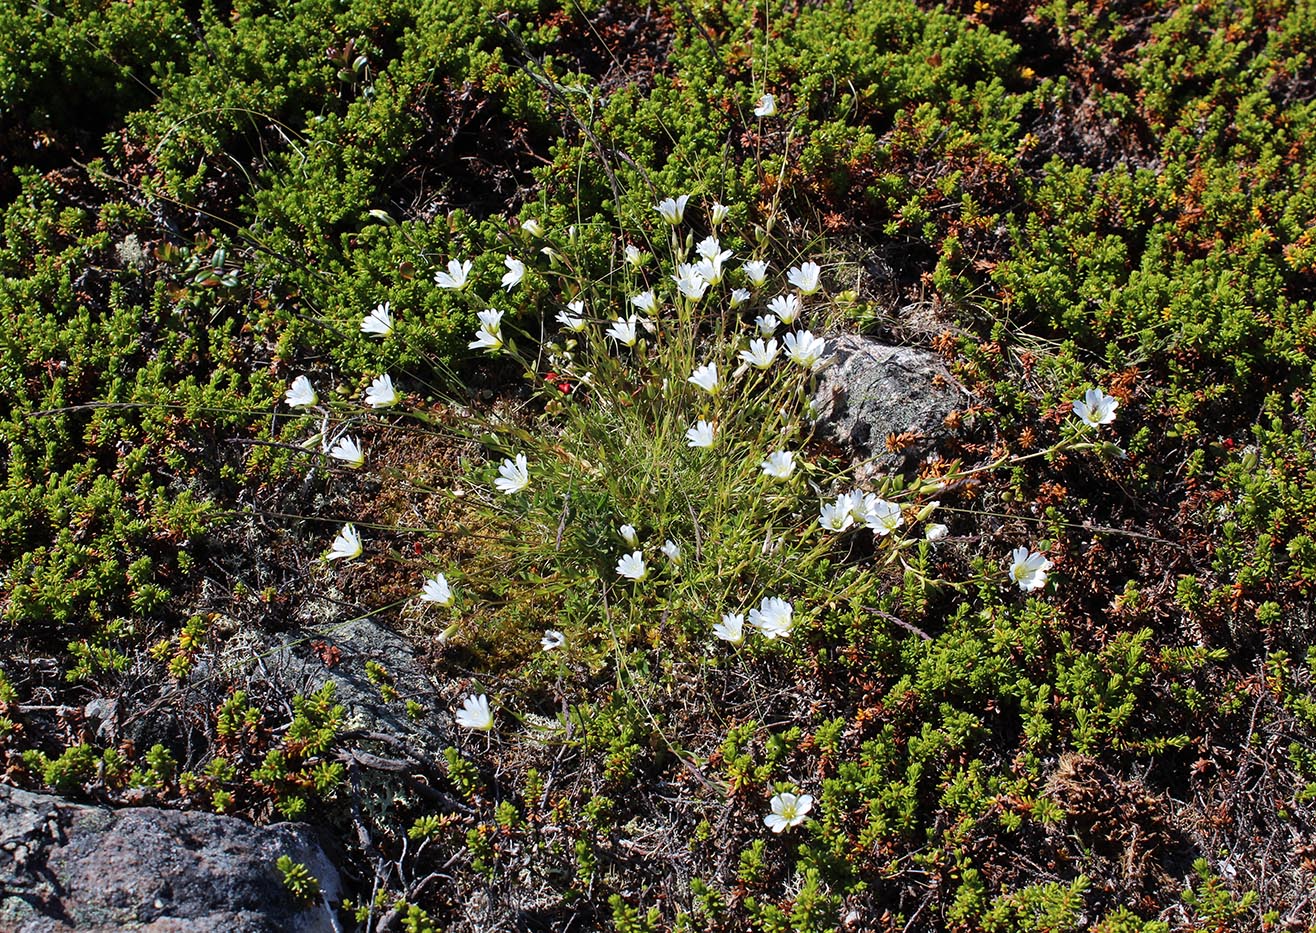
66 866
872 390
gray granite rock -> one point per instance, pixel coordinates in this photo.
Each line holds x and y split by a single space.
66 866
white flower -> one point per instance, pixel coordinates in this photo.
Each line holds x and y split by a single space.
532 227
475 714
760 355
456 275
804 277
436 590
700 436
486 340
347 545
646 302
634 255
1095 408
513 476
731 628
780 464
835 516
786 307
766 106
773 617
857 503
379 321
756 270
573 318
671 550
629 535
552 640
381 393
739 296
788 810
689 282
301 394
632 566
717 213
514 274
349 451
623 330
937 532
706 378
710 248
1028 568
882 517
806 349
767 324
672 209
710 270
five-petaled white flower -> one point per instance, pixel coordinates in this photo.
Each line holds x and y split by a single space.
786 308
1028 568
835 516
301 394
760 355
937 532
349 451
766 106
731 628
706 378
381 393
379 321
689 282
490 335
513 475
646 302
456 275
532 227
710 270
767 324
804 277
773 617
346 545
475 714
739 296
717 213
437 590
672 209
629 535
623 330
573 318
634 256
806 349
700 436
756 270
788 810
779 465
883 517
1095 408
671 550
632 566
552 640
514 274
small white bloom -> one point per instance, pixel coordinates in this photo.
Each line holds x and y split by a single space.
804 277
689 282
706 378
779 465
629 535
381 393
806 349
710 248
718 213
786 307
731 628
634 255
788 810
767 324
513 475
475 714
301 394
766 106
739 296
437 590
835 516
552 640
882 517
346 546
756 270
379 321
632 566
671 550
773 617
646 302
623 330
857 503
456 275
349 451
937 532
532 227
700 436
672 209
710 270
487 340
1028 568
1095 408
514 274
760 355
573 318
491 319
